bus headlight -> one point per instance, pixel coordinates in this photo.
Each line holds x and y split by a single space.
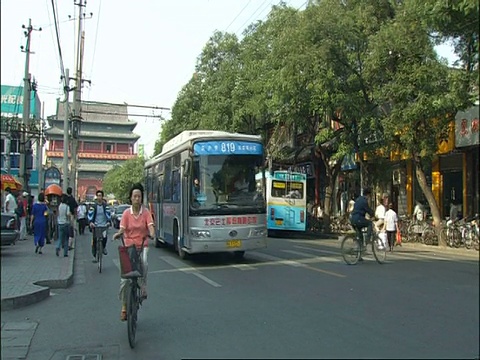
261 231
200 233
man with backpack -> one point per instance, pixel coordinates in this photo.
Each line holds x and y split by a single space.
21 212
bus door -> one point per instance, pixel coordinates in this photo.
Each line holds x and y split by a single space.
184 209
159 208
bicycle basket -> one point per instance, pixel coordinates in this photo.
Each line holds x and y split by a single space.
100 231
130 264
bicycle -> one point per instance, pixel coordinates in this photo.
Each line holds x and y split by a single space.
132 271
354 246
99 235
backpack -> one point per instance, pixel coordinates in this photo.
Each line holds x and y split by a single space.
20 211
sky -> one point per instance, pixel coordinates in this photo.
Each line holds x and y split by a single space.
136 52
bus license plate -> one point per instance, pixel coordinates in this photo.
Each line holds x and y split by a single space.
234 243
278 222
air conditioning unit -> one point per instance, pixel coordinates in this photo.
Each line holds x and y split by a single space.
397 177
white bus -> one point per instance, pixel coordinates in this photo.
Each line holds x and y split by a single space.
202 193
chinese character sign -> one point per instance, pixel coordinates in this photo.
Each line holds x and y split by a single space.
466 128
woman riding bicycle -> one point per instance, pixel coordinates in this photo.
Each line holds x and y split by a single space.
135 226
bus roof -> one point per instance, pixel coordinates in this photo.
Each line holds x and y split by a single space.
184 139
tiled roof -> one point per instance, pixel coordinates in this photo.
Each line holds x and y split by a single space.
54 131
98 112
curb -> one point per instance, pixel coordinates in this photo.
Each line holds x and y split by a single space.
43 293
16 302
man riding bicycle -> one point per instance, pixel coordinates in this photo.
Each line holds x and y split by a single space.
360 209
99 215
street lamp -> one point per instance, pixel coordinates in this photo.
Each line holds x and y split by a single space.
75 123
75 126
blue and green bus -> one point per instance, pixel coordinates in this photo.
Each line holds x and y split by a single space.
286 197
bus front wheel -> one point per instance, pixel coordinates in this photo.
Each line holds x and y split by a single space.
238 254
181 253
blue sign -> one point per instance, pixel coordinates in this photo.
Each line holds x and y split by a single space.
289 176
227 147
12 102
52 176
348 162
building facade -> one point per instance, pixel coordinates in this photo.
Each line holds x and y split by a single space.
106 140
11 145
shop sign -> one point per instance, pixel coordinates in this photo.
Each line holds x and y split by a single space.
466 128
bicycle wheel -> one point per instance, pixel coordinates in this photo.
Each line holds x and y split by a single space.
99 254
350 250
379 249
132 313
429 237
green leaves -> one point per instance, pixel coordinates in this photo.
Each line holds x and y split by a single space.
120 179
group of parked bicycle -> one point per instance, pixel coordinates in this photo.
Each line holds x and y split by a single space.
460 233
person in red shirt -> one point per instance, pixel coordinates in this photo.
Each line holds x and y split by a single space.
135 226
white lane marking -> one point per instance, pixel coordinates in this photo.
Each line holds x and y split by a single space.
206 279
317 250
180 266
243 267
275 259
117 263
317 258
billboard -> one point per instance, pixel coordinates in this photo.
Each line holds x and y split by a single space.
466 127
12 102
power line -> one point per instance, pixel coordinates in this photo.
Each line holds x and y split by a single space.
241 11
62 67
125 104
251 16
96 37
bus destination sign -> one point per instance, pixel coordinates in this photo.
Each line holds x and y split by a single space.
227 147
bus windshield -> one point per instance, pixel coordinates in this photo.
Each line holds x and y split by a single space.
225 184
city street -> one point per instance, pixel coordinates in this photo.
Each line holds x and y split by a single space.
295 299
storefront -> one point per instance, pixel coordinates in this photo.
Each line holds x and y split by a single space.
468 145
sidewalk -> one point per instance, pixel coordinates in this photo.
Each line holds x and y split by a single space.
27 278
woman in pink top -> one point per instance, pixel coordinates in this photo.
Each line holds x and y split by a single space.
136 224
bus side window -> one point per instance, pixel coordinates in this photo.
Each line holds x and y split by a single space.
176 186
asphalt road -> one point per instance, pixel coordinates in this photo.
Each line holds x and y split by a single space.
295 299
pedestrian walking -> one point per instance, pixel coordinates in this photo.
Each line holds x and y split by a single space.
72 204
22 207
38 221
380 215
81 218
10 202
391 225
64 220
30 202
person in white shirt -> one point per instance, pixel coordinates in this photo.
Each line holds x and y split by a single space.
380 215
419 212
10 202
391 225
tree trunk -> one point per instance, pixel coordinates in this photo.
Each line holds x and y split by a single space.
427 191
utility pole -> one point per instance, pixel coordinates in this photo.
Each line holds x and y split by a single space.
77 99
25 124
40 144
65 171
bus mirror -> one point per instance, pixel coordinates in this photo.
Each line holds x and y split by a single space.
186 167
